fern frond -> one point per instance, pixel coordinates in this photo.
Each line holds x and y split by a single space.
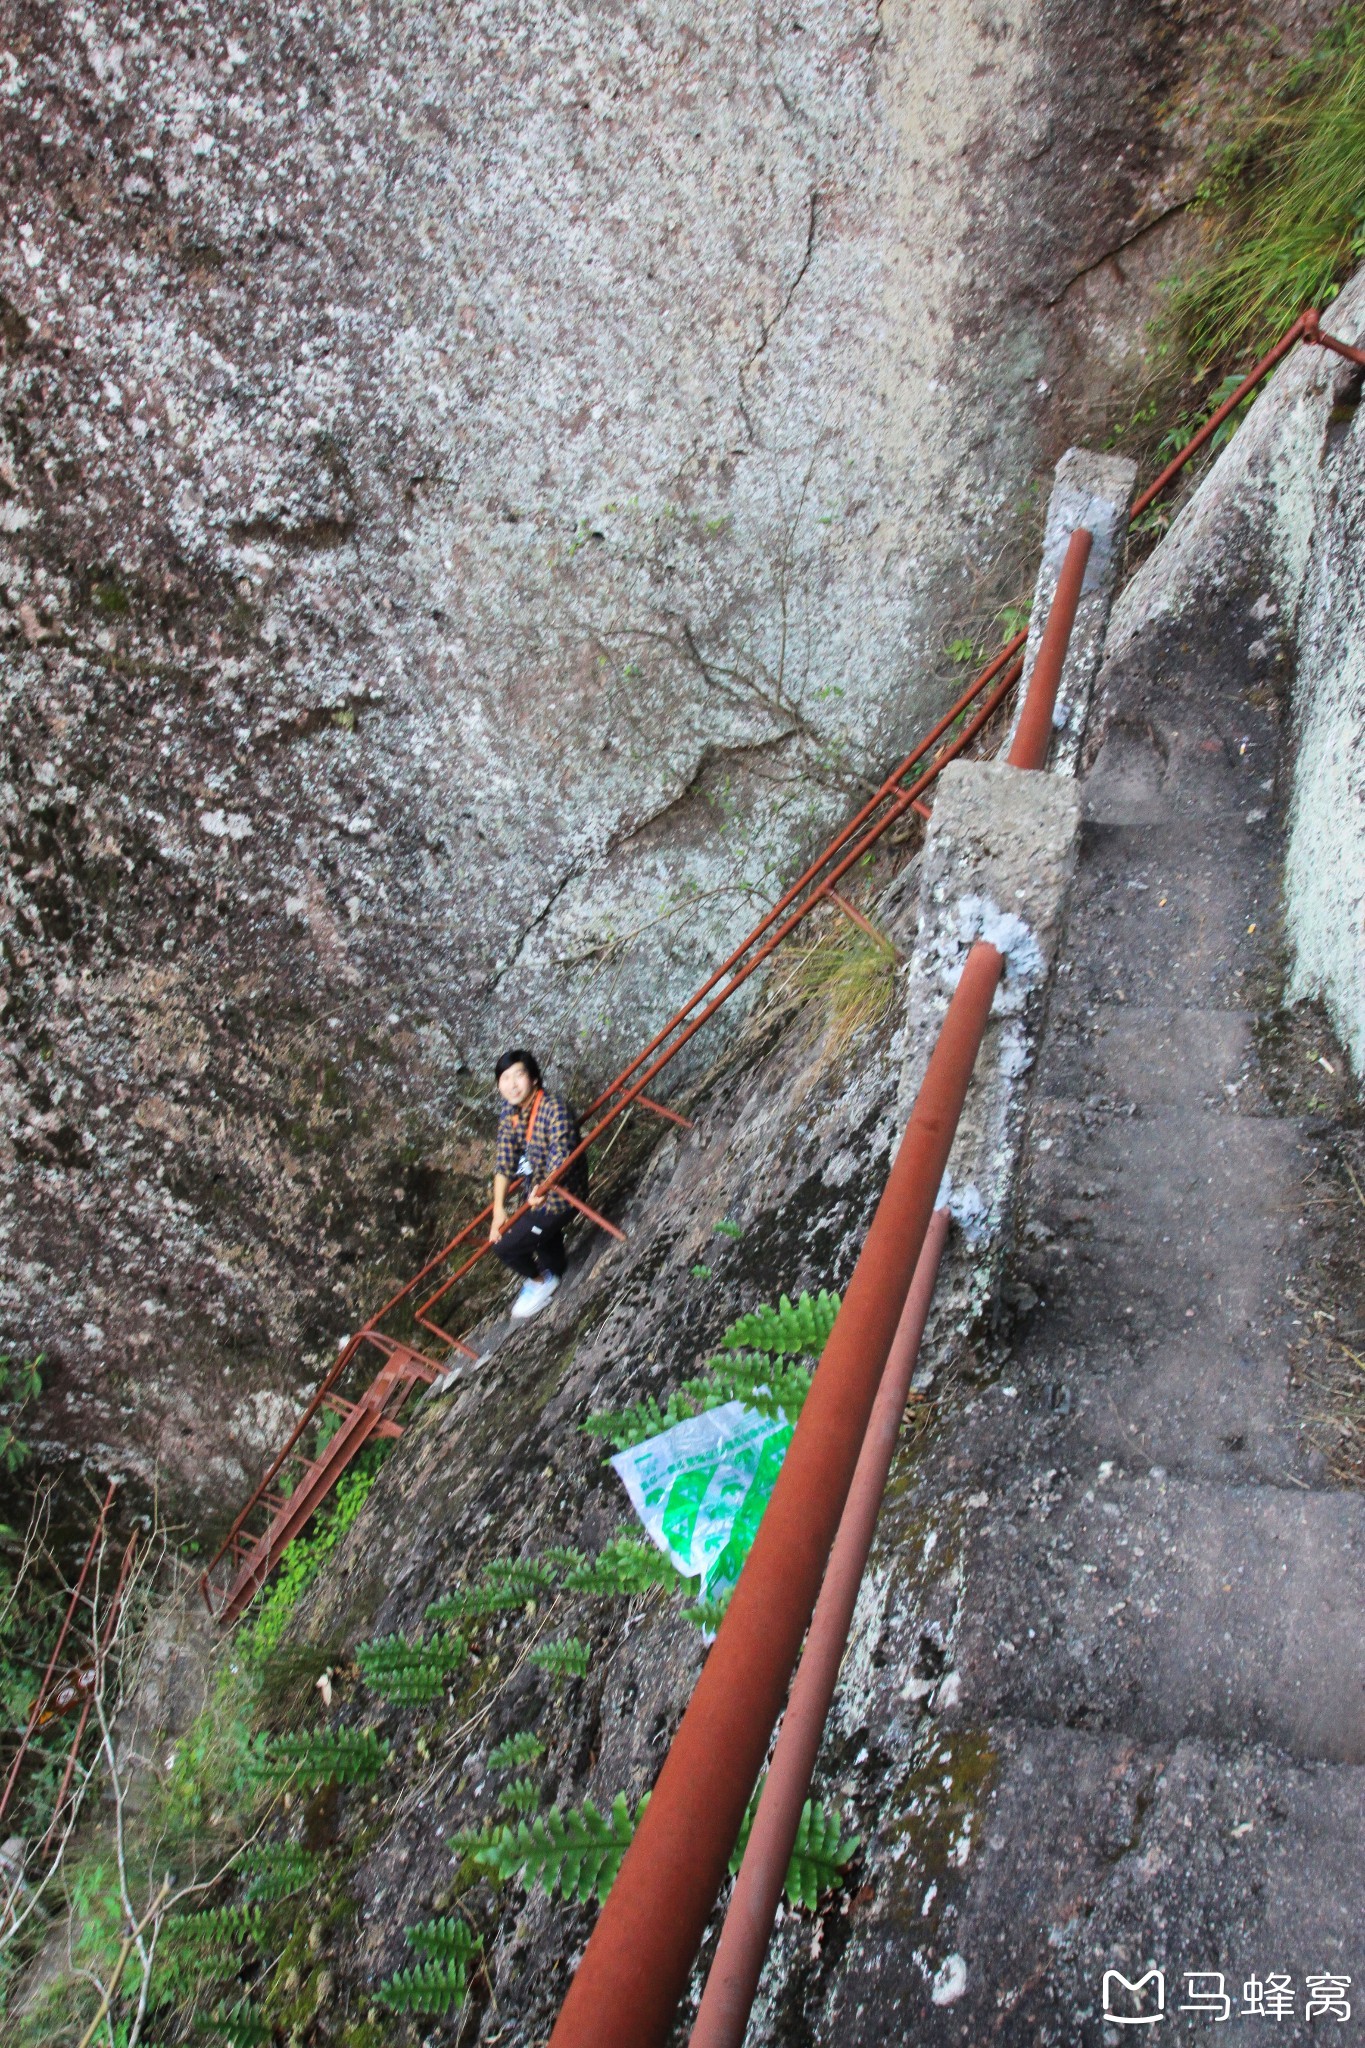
195 1949
274 1870
322 1756
708 1615
426 1988
789 1329
575 1850
522 1796
240 2025
626 1427
525 1747
408 1673
474 1841
563 1557
445 1941
474 1603
525 1578
623 1566
568 1658
819 1853
762 1383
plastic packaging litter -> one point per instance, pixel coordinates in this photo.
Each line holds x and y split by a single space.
700 1489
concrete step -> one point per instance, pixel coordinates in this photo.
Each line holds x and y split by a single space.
1165 1608
1039 1858
1172 914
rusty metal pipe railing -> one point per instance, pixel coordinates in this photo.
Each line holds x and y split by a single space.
738 1963
886 793
1314 334
635 1967
1308 328
1033 733
636 1963
902 804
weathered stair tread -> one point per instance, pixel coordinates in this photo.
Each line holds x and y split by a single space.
1187 951
1081 1852
1153 1057
1166 1608
1194 1403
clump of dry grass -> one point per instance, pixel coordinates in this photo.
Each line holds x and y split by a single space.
846 979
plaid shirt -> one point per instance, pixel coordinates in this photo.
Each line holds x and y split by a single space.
552 1140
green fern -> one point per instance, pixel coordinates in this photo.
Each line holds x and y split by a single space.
752 1377
566 1659
563 1557
728 1229
708 1615
576 1851
195 1949
771 1388
444 1941
624 1566
506 1583
322 1756
408 1673
274 1870
427 1988
525 1747
521 1796
240 2025
625 1427
472 1603
819 1854
789 1329
525 1577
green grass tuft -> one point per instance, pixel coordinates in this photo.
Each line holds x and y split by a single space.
1284 204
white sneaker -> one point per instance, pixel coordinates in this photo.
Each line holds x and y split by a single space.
535 1295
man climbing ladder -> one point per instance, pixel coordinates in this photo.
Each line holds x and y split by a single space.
536 1133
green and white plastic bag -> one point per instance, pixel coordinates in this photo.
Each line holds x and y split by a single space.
700 1489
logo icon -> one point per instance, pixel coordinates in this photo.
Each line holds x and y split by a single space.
1114 1983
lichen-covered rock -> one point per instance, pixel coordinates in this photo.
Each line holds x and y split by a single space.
479 491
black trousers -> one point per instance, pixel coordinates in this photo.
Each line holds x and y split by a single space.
534 1245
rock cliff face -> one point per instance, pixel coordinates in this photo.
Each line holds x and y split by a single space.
481 488
1072 1728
